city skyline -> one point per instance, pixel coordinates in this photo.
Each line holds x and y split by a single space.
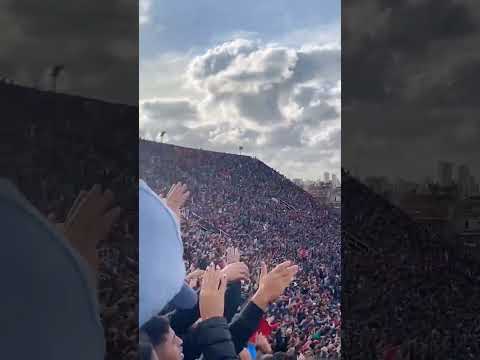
419 177
409 98
455 179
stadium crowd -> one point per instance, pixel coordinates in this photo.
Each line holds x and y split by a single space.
239 202
66 154
408 294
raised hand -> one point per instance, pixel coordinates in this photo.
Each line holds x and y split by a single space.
272 284
177 197
193 278
262 343
212 293
73 209
195 274
245 355
236 271
233 255
89 221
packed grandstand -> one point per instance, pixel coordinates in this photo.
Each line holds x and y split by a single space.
407 292
239 201
58 145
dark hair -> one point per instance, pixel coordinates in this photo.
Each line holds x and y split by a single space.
203 264
280 356
155 330
145 347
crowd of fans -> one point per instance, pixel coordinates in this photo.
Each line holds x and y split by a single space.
237 201
408 294
60 145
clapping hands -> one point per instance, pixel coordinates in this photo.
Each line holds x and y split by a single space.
272 284
212 293
177 197
235 269
194 277
233 255
89 221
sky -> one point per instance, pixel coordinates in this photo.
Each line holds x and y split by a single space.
410 98
264 75
96 41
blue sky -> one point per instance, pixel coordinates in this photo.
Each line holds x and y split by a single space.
262 74
183 25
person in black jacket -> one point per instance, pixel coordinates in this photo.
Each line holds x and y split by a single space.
212 333
158 341
243 325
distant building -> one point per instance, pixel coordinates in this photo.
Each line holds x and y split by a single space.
298 182
307 183
326 176
467 216
335 181
403 186
325 193
336 197
467 221
445 173
472 186
464 181
428 208
425 186
379 185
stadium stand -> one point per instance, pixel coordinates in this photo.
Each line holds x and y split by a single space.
56 145
239 201
414 295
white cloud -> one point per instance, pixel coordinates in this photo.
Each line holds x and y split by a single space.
326 34
281 103
144 11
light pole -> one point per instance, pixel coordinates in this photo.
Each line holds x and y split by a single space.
56 70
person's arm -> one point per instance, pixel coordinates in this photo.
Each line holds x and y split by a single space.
191 349
244 325
214 338
182 319
271 286
88 222
235 272
233 299
262 344
212 333
176 199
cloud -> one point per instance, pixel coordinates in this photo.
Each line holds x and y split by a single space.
260 83
96 41
410 71
281 103
144 9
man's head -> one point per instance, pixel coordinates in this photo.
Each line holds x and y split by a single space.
158 341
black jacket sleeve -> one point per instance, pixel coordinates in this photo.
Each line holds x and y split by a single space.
214 339
182 320
244 325
233 299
